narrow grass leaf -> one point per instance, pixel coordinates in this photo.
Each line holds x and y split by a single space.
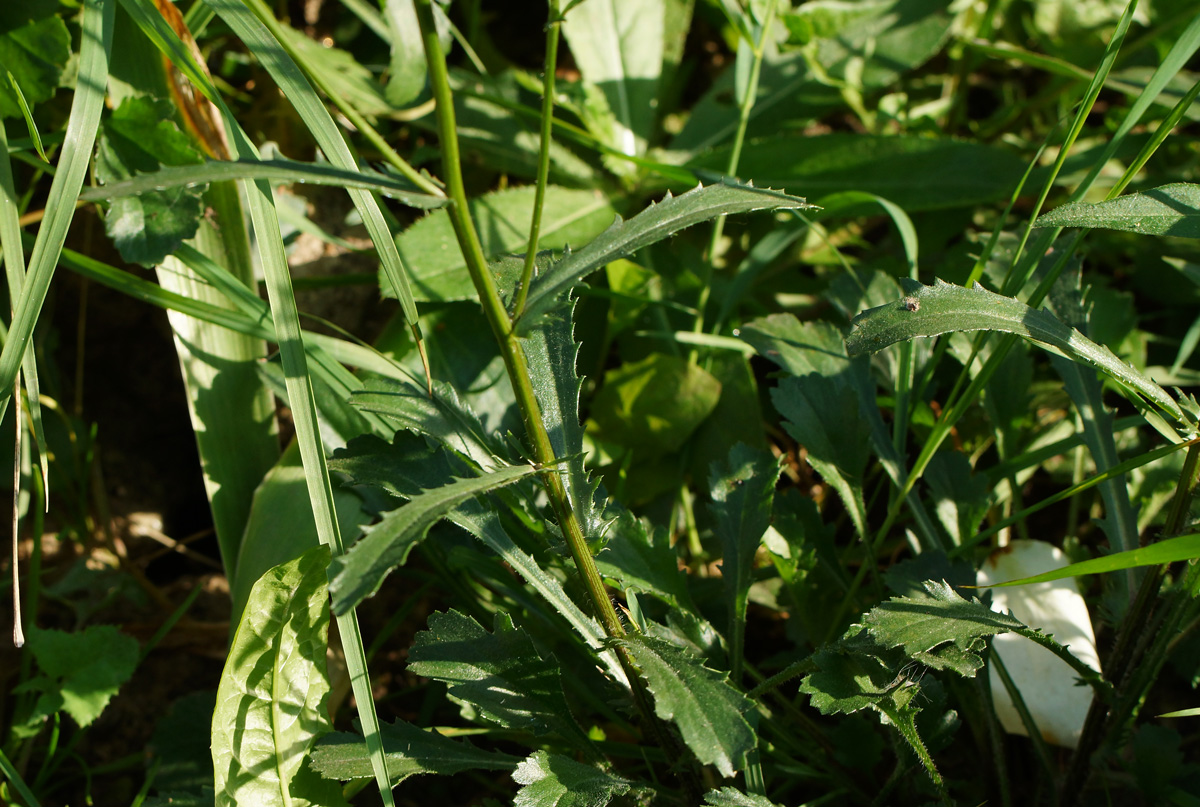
92 78
359 573
553 780
653 224
278 170
27 113
717 721
946 308
410 751
1168 550
499 673
271 699
1169 210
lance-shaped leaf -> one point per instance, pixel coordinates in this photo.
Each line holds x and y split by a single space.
501 674
271 699
181 176
716 721
946 308
1169 210
552 780
359 573
409 750
942 631
653 224
742 492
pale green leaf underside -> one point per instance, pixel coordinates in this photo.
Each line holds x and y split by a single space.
946 308
359 573
655 223
276 170
271 699
1169 210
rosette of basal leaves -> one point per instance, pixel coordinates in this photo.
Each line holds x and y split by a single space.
500 675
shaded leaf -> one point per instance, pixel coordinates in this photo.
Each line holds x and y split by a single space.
946 308
732 797
653 224
141 136
409 750
857 673
716 721
915 173
654 405
358 574
500 673
271 699
35 51
643 560
552 780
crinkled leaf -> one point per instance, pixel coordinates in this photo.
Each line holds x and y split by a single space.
139 137
946 308
82 670
942 631
500 673
439 272
552 780
743 490
653 224
551 353
271 699
644 560
358 574
732 797
1168 210
654 405
822 414
409 750
856 673
717 721
35 52
199 172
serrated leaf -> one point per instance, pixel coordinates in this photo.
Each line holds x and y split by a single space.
410 751
358 574
35 51
271 699
552 780
154 179
1167 210
141 136
857 673
644 560
82 671
653 224
500 674
551 353
743 490
946 308
942 631
717 721
732 797
439 271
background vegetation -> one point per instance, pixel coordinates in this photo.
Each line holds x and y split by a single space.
600 401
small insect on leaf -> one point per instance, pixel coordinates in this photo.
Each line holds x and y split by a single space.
912 304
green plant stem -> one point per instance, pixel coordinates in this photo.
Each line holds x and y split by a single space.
518 372
1125 656
731 168
553 29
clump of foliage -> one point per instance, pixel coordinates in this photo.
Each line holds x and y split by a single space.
731 340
